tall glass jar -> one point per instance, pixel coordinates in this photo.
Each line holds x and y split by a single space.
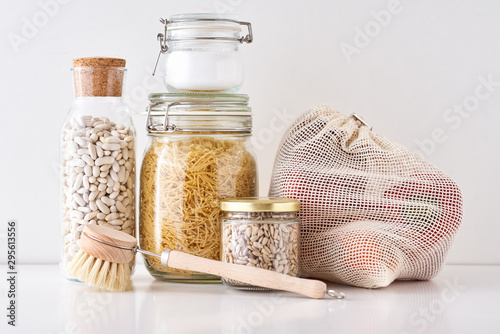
198 152
202 52
98 154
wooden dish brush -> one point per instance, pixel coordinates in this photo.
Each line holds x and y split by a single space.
105 253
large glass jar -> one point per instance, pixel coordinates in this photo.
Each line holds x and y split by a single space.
198 152
202 52
98 154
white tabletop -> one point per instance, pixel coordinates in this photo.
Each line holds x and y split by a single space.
462 299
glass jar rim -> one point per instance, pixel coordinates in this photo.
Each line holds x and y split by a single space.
189 104
209 26
209 106
198 96
190 16
203 21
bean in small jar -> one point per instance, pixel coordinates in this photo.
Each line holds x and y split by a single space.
262 233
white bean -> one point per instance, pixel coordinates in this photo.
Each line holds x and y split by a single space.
107 201
122 174
86 183
77 163
114 176
80 141
92 151
78 199
90 215
88 170
72 146
111 216
93 195
112 139
88 160
96 171
125 153
99 151
103 207
104 160
120 207
92 205
116 222
78 182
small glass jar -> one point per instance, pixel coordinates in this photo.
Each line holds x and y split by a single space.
97 154
198 153
261 232
202 52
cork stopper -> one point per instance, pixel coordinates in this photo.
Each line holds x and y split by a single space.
98 76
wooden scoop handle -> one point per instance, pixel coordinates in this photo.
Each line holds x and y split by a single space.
250 275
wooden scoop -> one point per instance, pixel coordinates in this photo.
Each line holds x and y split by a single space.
111 245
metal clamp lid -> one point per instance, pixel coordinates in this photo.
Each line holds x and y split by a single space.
163 39
168 127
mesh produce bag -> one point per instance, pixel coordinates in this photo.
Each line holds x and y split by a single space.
372 211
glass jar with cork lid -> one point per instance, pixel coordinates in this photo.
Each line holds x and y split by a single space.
97 154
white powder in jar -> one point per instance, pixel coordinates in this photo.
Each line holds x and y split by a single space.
203 71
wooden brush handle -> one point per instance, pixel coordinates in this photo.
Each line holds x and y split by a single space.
250 275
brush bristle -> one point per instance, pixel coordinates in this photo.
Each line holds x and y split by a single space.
123 271
100 274
103 274
76 263
112 277
85 268
91 278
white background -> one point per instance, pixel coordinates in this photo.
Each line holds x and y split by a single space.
404 78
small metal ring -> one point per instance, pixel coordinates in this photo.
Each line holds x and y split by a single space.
170 128
335 294
360 119
163 43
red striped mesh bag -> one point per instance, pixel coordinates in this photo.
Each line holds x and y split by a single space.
372 211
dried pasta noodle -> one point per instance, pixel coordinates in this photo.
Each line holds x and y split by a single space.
182 182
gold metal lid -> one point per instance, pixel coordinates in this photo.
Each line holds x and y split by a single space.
260 204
